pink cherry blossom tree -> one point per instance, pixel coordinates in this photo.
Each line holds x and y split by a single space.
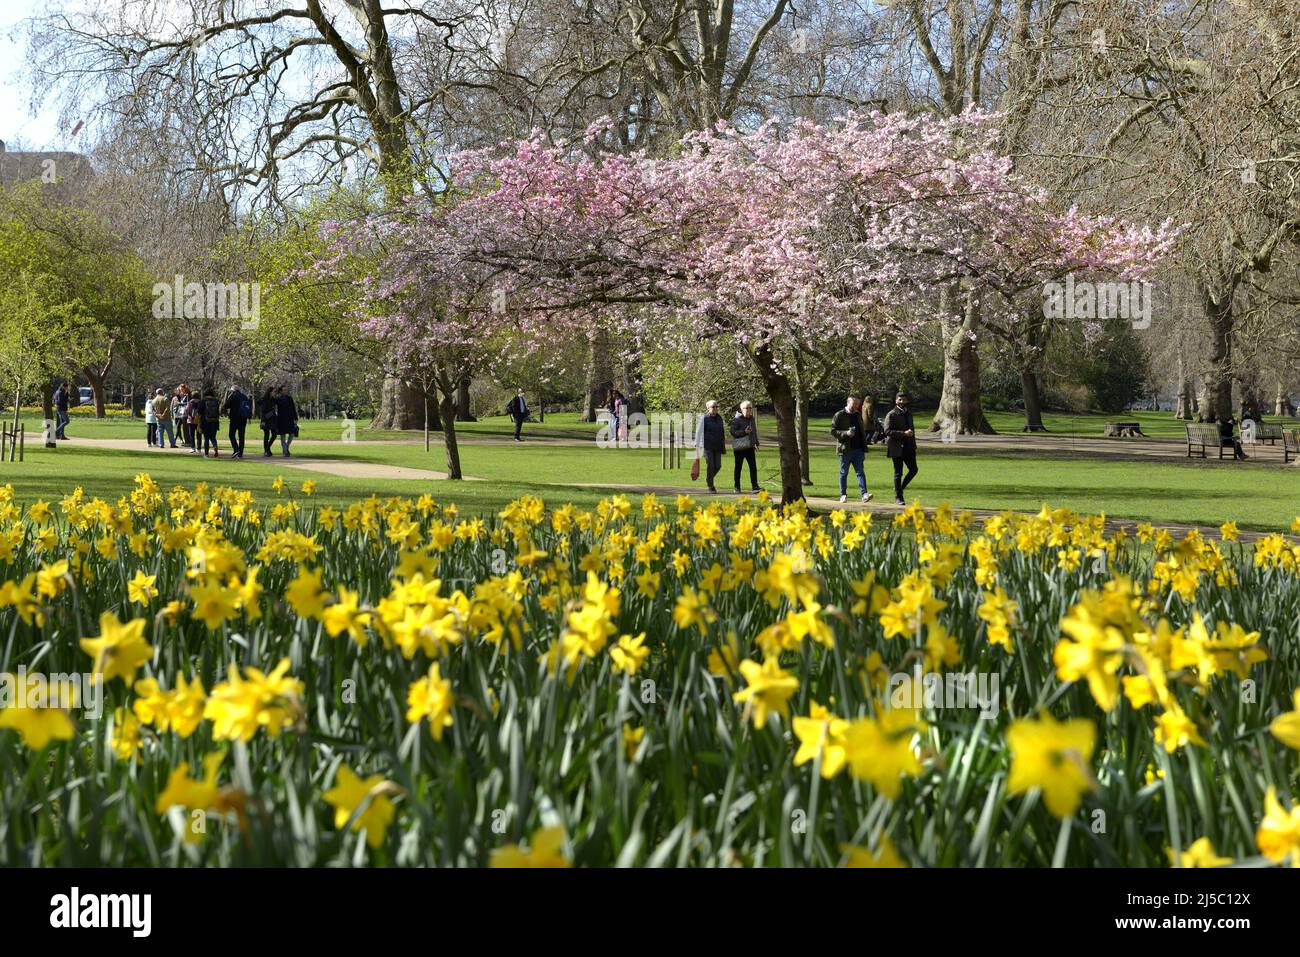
775 239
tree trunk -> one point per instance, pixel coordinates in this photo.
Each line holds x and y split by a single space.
1038 332
97 387
633 386
447 402
1183 402
600 375
463 413
1282 404
801 411
1218 382
782 396
47 413
959 404
401 408
1032 388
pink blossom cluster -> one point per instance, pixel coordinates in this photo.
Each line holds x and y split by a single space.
775 236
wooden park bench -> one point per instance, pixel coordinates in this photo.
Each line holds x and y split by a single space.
1290 444
1272 434
1123 430
1205 435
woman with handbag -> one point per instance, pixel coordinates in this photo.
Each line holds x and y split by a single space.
744 443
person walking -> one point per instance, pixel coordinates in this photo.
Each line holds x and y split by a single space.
181 413
518 410
711 435
286 419
238 409
61 411
194 419
210 421
744 444
150 420
162 415
618 405
900 443
266 414
848 425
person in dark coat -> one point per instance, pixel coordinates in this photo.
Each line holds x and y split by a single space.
237 408
851 438
713 441
266 415
1228 440
209 419
517 409
900 443
744 443
61 410
286 418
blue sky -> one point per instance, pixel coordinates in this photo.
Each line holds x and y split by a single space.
17 125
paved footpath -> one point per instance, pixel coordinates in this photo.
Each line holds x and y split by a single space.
1064 446
342 468
1174 450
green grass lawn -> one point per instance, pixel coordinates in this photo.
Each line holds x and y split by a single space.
565 425
1199 492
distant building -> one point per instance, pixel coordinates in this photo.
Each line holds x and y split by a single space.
67 174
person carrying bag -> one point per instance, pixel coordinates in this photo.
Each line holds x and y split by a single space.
744 444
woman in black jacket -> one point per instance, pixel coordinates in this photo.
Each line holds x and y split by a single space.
744 443
712 440
286 418
266 414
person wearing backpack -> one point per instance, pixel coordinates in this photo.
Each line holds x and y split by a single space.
286 418
266 414
209 421
238 409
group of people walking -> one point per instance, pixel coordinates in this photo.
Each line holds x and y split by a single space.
854 427
190 418
711 441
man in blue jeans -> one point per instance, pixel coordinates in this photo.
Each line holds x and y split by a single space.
851 438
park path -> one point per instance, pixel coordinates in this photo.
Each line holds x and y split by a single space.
1139 449
340 468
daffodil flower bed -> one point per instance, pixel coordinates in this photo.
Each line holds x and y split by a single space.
644 683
